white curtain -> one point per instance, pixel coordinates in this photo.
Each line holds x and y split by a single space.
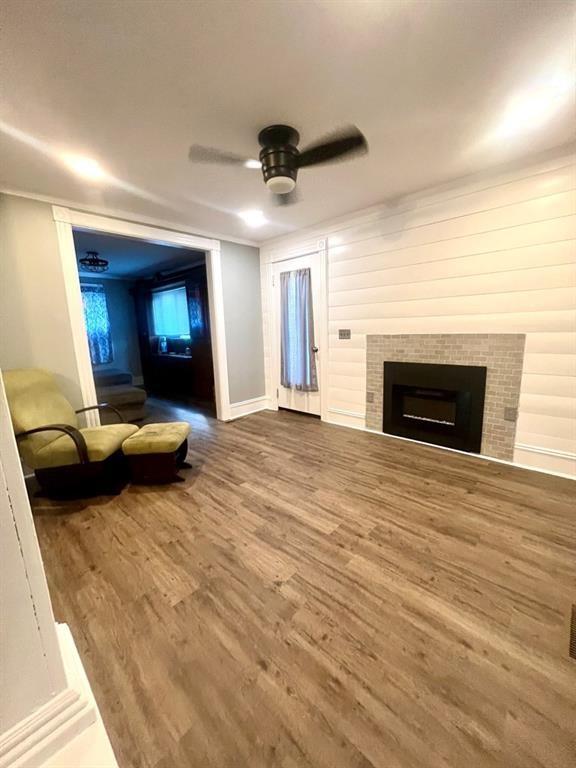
298 361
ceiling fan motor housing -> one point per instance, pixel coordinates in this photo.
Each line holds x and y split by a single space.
279 157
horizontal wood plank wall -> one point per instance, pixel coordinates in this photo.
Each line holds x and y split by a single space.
496 256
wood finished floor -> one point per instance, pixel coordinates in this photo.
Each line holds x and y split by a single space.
318 596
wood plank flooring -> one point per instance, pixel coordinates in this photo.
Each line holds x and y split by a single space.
318 596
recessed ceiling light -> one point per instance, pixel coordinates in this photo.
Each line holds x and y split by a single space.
84 167
253 164
531 108
254 218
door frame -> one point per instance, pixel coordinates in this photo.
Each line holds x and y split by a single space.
67 219
322 313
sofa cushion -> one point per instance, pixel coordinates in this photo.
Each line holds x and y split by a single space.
101 442
110 377
121 395
157 438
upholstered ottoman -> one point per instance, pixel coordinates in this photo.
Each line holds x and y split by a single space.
157 451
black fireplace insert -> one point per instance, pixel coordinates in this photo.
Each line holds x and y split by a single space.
440 404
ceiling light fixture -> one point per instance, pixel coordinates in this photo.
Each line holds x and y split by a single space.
254 164
254 218
93 263
85 167
531 108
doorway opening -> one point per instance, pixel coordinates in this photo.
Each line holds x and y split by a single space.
147 321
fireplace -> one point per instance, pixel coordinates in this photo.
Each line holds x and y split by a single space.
440 404
501 355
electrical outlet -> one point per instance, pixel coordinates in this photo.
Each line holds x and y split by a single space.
369 397
510 414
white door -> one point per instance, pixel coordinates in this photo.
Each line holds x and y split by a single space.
291 397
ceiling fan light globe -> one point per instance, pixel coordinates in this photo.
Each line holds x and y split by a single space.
281 185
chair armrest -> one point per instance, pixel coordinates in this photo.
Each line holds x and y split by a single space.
101 407
75 434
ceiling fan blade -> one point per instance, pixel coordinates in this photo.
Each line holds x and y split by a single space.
288 199
340 146
200 154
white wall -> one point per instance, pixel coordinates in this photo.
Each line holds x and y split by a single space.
48 715
31 672
34 327
25 680
495 256
244 345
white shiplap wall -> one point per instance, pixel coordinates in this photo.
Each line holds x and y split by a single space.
496 256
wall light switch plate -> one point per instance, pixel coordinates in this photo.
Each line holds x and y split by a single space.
344 333
369 397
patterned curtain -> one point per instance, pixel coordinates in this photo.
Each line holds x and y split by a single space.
195 310
298 362
97 323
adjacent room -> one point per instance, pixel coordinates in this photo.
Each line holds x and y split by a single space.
148 325
288 384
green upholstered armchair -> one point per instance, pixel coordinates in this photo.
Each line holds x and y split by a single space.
64 457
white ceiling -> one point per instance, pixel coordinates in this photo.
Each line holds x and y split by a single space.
133 84
133 258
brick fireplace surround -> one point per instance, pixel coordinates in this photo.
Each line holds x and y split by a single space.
502 354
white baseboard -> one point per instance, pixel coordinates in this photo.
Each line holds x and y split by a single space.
351 414
546 451
91 748
245 407
37 738
550 460
65 732
33 740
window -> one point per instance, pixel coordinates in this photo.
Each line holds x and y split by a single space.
170 312
97 323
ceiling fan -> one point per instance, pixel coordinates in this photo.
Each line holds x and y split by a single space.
280 159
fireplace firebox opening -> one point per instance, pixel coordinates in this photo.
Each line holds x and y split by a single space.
440 404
